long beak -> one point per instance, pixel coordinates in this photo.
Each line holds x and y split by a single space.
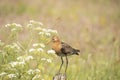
48 42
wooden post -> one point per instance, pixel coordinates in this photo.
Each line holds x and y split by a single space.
60 76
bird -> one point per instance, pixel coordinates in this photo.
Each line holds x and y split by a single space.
63 49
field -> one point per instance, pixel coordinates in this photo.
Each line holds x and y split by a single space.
92 26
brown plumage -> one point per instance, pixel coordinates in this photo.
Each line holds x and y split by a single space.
63 50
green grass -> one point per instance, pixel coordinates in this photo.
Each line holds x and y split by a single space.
26 60
91 26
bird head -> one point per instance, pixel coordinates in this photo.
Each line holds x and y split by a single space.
55 39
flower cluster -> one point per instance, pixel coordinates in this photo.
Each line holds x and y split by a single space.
36 50
34 25
11 75
51 52
45 59
16 63
21 61
14 27
33 71
3 73
47 32
38 26
39 45
12 48
26 60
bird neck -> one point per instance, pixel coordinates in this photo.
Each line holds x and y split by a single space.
56 46
57 43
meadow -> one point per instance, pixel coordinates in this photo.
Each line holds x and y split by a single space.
26 26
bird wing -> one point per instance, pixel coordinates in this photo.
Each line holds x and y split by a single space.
66 48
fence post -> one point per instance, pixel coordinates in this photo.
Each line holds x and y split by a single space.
60 76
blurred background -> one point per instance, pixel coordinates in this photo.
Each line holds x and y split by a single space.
93 26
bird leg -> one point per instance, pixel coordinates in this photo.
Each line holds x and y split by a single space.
61 65
66 64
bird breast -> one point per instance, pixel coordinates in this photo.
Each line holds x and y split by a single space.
57 47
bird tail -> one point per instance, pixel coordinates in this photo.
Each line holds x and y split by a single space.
77 52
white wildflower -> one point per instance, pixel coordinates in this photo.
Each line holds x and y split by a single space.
41 24
37 70
30 71
32 21
41 33
31 50
52 31
11 75
14 29
7 25
35 22
49 60
18 25
42 45
36 44
29 58
13 64
16 46
44 30
20 58
29 25
43 59
36 77
3 73
40 50
47 34
22 63
51 51
12 69
49 30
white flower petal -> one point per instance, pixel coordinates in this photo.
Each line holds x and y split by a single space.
30 71
47 34
36 44
43 59
11 75
20 58
49 60
7 25
31 50
40 50
28 58
32 21
51 52
3 73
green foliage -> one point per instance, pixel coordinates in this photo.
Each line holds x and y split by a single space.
33 58
93 26
20 63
